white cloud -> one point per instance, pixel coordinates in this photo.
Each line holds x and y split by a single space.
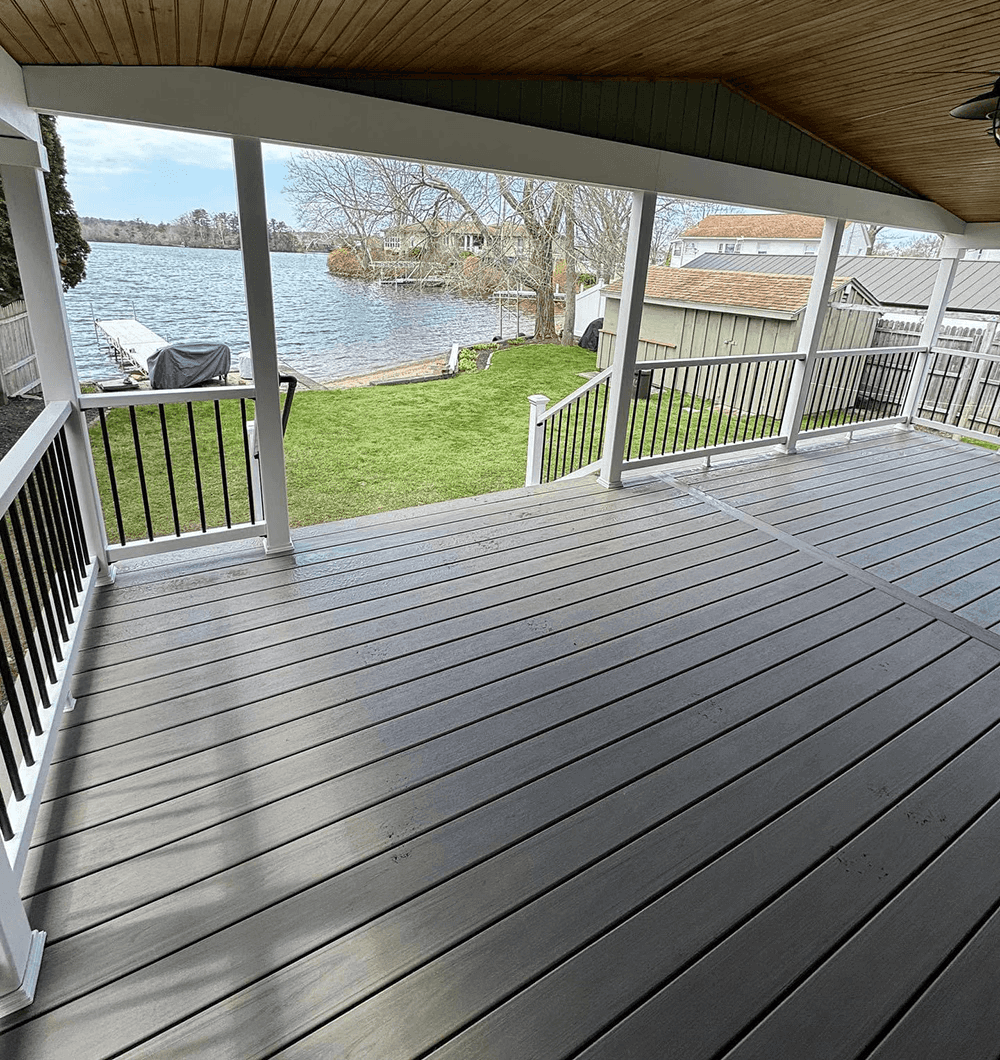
110 147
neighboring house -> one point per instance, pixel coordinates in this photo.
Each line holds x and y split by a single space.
904 283
709 313
756 234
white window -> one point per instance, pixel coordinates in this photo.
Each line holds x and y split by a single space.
763 248
692 248
811 248
729 248
391 242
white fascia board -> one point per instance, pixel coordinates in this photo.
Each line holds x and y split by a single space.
977 236
735 310
17 119
209 100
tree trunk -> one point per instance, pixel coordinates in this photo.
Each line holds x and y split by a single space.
569 314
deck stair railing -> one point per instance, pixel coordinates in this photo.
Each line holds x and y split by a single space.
49 577
190 457
567 439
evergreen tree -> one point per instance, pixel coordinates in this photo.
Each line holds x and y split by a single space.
71 247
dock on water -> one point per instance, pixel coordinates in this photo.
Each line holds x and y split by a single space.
131 343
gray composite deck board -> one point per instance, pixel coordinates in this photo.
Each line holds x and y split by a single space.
546 773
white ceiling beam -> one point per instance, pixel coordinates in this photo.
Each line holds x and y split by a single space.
221 102
17 119
977 236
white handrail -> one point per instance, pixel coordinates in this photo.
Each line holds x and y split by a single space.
868 350
578 393
675 362
25 453
125 398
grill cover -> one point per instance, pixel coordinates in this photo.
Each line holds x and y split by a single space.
184 364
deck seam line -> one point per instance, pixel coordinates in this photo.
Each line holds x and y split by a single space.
957 622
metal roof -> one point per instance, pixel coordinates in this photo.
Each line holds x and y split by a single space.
893 281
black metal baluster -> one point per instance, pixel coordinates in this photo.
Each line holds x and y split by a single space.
25 615
583 433
171 486
701 406
563 438
111 475
72 499
142 472
550 444
721 416
982 395
246 459
58 593
54 523
197 467
75 566
632 416
605 386
31 568
222 463
645 411
571 448
17 650
20 730
680 394
656 416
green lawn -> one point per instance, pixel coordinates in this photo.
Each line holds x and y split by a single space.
349 452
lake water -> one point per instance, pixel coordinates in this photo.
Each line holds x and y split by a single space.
327 326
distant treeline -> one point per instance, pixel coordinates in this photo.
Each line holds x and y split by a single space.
199 228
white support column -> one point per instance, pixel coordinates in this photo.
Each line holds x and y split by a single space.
533 473
263 347
20 947
812 329
936 309
38 264
640 236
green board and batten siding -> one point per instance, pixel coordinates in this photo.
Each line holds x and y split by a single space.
701 118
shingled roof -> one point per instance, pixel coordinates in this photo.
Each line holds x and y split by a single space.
747 290
758 226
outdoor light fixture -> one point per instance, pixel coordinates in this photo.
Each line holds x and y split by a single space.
982 108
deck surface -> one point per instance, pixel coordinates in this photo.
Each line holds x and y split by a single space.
705 767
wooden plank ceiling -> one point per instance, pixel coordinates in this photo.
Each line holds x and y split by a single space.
873 78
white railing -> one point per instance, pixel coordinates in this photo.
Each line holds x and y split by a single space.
189 456
685 407
49 579
567 439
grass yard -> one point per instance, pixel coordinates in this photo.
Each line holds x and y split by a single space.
347 452
375 449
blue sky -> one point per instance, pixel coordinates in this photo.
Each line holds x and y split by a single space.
126 171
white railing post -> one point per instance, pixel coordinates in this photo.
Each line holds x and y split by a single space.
38 264
249 167
812 329
640 235
536 435
936 309
20 947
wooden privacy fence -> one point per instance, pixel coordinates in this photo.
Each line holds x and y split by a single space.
18 367
971 372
